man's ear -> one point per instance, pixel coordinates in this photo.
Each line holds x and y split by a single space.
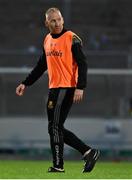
46 23
63 20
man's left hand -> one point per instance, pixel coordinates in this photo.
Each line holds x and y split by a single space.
78 95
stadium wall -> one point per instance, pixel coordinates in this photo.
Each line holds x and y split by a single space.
17 133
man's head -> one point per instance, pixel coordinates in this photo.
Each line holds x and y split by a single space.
54 20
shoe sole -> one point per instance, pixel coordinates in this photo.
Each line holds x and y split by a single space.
53 170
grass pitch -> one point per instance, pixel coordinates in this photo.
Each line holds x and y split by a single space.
38 170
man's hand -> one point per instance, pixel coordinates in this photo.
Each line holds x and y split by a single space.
78 95
20 89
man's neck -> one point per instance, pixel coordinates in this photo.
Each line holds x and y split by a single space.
58 35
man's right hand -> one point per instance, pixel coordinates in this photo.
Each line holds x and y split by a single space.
20 89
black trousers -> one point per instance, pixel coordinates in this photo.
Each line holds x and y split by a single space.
59 103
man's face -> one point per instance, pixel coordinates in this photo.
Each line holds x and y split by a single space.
54 22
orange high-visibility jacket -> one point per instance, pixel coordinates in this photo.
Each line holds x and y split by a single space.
62 68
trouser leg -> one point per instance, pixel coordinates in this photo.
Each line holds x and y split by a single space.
56 109
73 141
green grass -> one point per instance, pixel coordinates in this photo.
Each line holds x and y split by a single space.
38 170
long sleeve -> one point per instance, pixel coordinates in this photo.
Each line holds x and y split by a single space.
81 62
38 70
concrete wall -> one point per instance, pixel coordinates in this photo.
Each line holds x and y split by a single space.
32 132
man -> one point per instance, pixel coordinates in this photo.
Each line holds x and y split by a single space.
67 70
